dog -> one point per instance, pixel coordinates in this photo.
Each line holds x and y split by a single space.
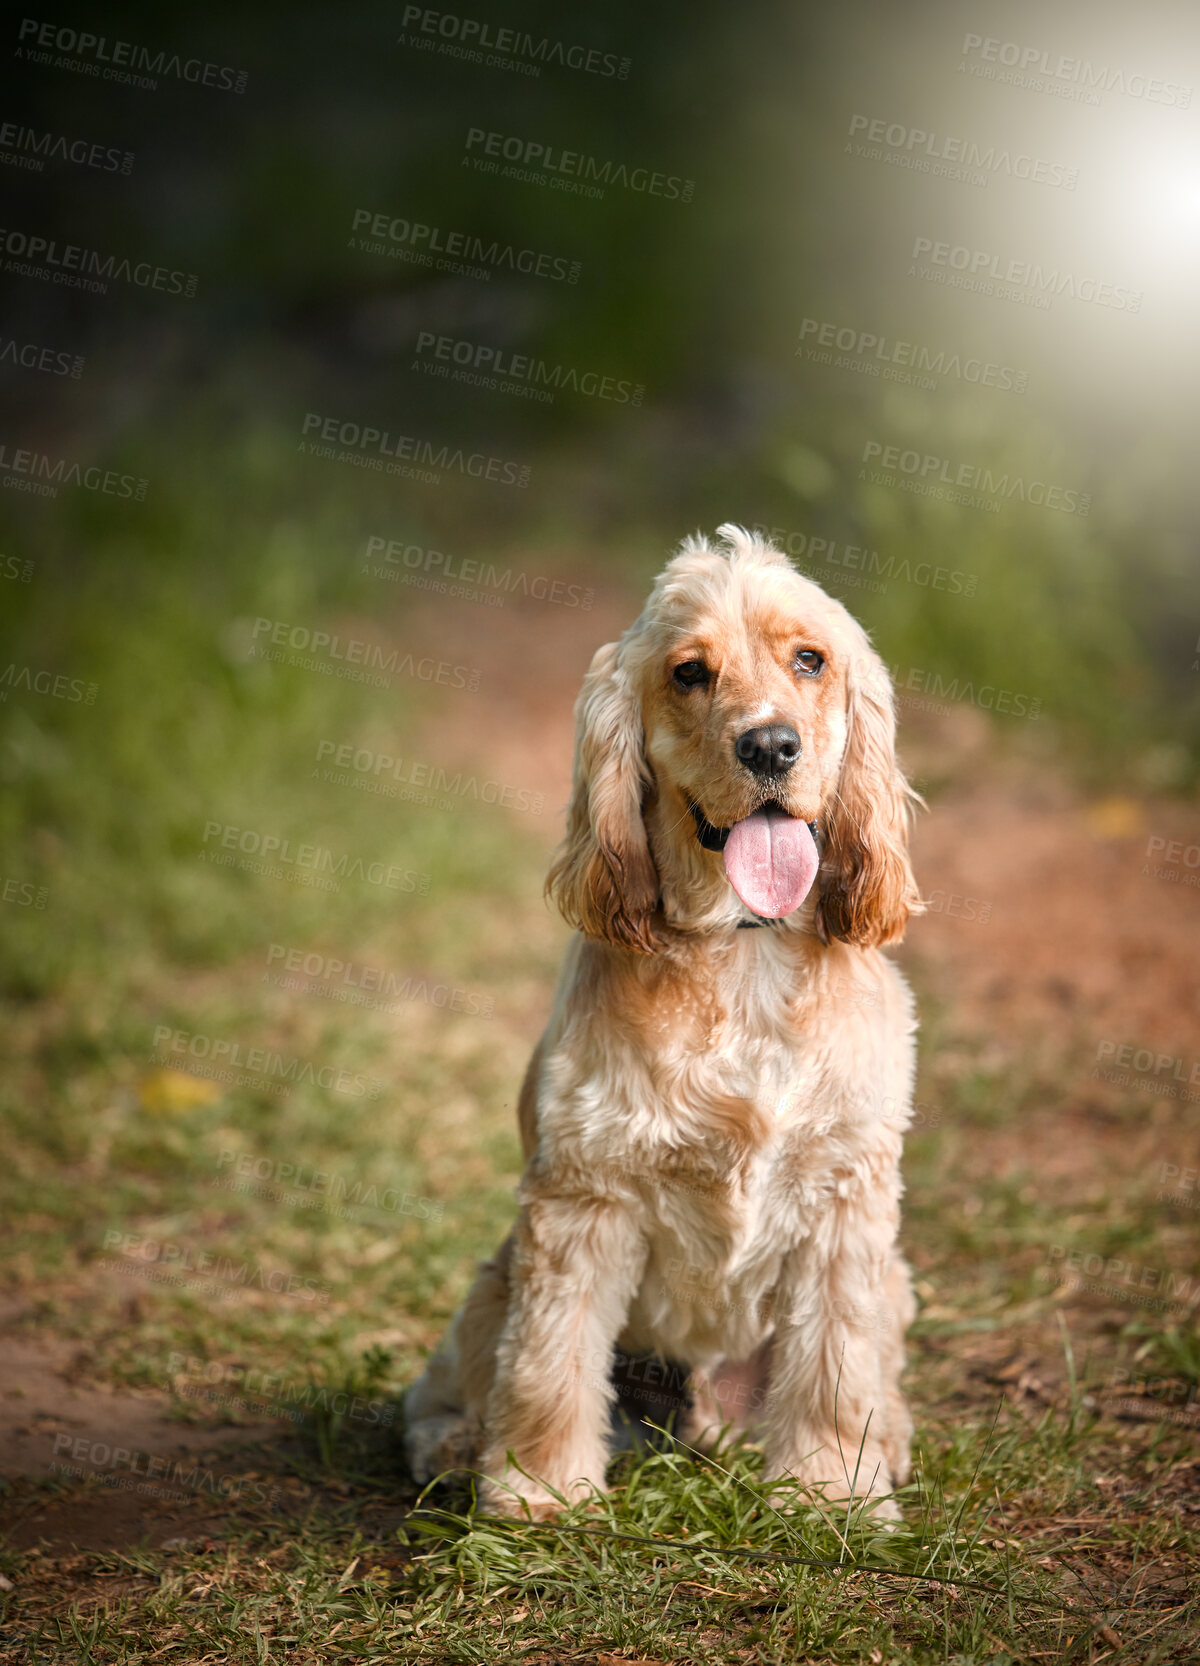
712 1121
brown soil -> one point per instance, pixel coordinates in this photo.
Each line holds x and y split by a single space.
123 1448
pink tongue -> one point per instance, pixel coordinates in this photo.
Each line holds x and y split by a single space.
771 862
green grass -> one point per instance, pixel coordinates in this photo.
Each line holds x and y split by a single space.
1011 1549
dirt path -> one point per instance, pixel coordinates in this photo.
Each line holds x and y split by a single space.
160 1478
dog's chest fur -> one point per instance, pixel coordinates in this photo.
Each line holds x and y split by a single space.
721 1110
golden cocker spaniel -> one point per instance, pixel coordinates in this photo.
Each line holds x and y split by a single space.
712 1121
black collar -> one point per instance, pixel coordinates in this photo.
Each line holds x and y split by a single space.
715 838
710 837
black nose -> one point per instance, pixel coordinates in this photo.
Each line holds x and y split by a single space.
770 751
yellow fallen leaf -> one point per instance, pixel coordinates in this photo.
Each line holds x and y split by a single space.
164 1092
1115 818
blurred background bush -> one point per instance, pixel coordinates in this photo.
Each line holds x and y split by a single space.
702 303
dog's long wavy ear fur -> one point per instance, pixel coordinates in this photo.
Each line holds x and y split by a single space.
603 877
867 885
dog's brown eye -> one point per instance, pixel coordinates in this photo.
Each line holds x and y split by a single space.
809 662
691 673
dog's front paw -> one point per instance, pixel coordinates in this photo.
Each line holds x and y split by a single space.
523 1498
498 1498
440 1445
786 1498
819 1479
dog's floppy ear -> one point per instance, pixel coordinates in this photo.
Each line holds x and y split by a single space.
603 877
867 885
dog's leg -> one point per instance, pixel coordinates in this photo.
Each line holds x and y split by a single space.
899 1311
575 1266
444 1408
833 1406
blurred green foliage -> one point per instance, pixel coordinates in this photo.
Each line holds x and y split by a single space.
702 303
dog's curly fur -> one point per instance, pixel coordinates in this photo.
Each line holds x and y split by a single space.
712 1121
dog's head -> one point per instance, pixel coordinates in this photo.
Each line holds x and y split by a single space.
744 707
